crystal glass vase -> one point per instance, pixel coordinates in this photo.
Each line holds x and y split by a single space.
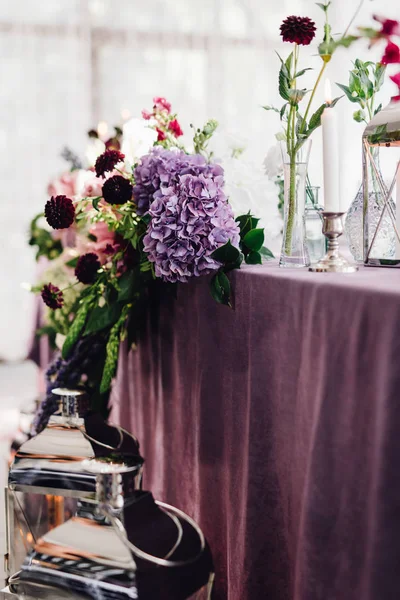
294 244
316 241
354 225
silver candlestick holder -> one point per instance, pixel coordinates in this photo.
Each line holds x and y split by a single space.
333 262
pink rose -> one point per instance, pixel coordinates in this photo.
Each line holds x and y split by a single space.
65 185
161 104
104 245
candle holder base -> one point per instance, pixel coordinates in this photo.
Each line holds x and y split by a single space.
333 262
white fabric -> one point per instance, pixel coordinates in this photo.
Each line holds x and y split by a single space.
67 64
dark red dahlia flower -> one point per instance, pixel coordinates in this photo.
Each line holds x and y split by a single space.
175 128
59 212
52 296
298 30
392 54
106 162
117 190
87 267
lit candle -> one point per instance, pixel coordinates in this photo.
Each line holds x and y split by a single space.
330 141
102 129
398 209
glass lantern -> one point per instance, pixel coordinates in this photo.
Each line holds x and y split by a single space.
46 479
130 546
381 188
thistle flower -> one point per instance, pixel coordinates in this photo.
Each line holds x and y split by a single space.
117 190
52 296
298 30
59 212
87 267
107 161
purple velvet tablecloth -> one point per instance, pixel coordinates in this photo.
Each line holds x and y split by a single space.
277 427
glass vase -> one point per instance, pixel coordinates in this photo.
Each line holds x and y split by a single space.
316 241
294 244
385 243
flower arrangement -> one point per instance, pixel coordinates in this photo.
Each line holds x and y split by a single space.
365 81
299 125
146 213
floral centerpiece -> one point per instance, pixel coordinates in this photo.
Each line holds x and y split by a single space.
299 125
147 214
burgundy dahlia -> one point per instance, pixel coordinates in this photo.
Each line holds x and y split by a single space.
298 30
52 296
59 212
87 267
117 190
106 162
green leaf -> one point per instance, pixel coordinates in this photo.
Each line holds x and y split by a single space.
348 92
284 83
282 111
220 288
266 252
379 76
226 253
268 107
102 317
378 109
95 203
128 284
73 262
367 85
323 7
315 120
288 63
112 350
234 265
254 239
76 327
253 258
300 73
346 41
301 124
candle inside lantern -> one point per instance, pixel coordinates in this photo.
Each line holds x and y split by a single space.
330 141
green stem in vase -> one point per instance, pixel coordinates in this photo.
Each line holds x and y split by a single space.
291 206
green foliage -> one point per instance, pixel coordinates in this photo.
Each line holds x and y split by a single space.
202 137
78 324
112 349
365 81
221 289
251 249
43 239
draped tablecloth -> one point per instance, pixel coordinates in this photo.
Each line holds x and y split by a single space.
277 426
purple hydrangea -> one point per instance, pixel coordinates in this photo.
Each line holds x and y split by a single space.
190 214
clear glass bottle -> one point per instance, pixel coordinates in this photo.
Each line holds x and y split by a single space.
316 241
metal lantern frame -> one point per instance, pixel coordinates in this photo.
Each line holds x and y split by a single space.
382 131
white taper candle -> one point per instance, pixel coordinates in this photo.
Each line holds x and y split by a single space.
330 140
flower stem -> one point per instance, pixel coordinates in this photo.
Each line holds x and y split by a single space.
312 95
291 206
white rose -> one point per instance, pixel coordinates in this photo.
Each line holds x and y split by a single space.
273 162
138 139
94 148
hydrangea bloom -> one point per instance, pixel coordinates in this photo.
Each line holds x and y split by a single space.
190 214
